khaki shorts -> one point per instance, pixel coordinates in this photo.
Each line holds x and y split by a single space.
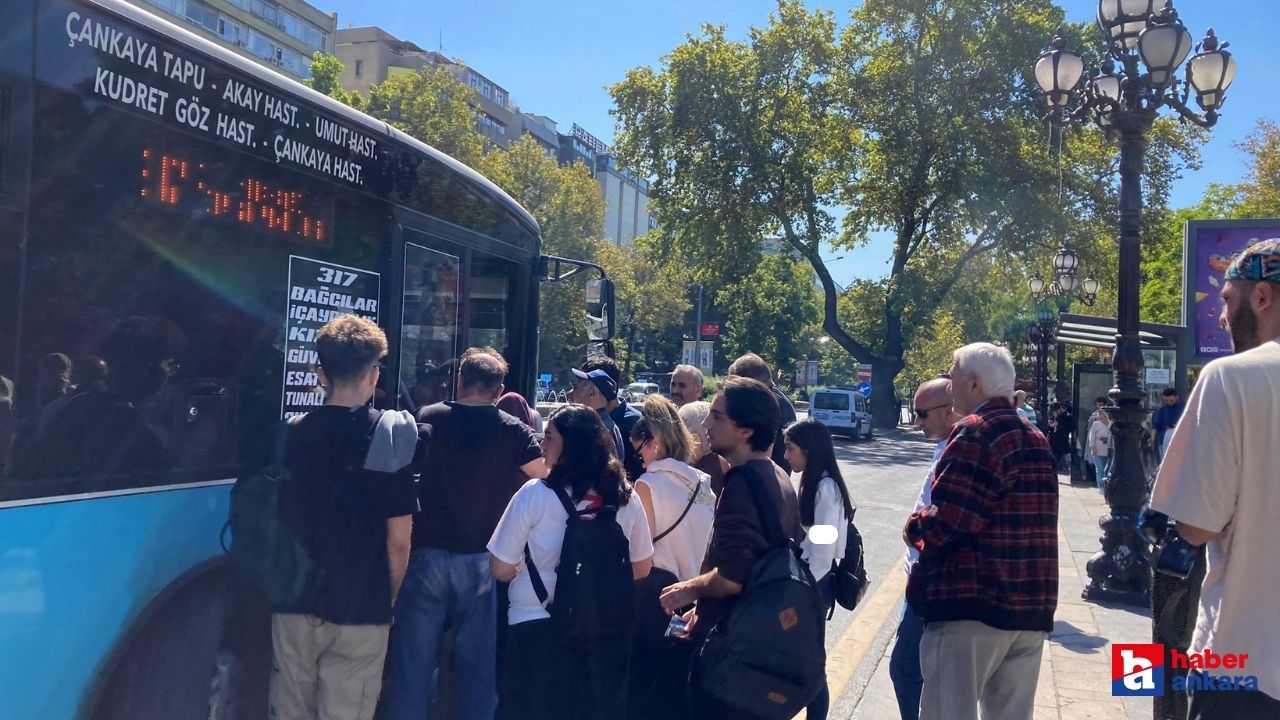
323 671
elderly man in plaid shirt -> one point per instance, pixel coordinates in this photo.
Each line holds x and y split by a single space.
986 582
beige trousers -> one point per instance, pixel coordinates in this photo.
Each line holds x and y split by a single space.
966 663
323 671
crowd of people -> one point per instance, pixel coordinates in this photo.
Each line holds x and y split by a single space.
582 572
473 567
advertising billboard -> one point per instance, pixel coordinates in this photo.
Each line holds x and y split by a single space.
1210 246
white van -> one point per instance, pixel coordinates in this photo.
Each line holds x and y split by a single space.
843 410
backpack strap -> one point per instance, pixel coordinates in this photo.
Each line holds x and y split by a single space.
773 532
535 578
688 506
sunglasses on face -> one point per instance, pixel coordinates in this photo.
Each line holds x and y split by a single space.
923 413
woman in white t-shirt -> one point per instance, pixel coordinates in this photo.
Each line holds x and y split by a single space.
824 500
1099 444
680 507
542 676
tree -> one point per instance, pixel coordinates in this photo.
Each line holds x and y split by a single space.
325 71
433 106
651 298
569 208
772 311
930 355
1260 192
918 118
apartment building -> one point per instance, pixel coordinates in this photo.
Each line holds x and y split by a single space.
281 34
371 55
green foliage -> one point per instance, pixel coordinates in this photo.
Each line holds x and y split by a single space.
569 208
772 312
325 71
1260 192
433 106
917 118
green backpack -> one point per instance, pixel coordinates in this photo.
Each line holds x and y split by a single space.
262 546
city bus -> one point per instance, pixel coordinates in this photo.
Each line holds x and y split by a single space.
175 224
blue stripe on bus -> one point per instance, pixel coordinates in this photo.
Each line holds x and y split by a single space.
74 575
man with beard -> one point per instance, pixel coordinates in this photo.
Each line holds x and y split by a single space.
1218 481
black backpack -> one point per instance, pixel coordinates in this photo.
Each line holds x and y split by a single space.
849 575
595 589
767 657
262 546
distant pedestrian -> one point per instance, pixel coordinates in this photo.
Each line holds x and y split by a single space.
1099 444
1061 434
1024 408
479 457
824 501
936 417
742 426
753 366
353 501
1165 419
596 389
686 385
986 582
680 506
545 674
1098 403
624 415
1218 481
694 414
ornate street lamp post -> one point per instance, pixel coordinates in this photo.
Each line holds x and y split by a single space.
1062 290
1136 79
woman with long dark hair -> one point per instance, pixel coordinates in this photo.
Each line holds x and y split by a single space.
824 501
543 676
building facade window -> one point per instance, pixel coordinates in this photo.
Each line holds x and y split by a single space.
488 121
359 68
201 15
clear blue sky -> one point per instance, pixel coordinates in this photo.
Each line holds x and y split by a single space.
556 57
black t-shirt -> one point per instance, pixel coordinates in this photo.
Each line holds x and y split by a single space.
341 513
469 474
788 416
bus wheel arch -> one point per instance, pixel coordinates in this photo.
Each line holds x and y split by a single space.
200 650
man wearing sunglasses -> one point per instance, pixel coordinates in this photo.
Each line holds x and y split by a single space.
935 416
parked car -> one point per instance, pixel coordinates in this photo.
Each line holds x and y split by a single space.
844 410
543 393
636 392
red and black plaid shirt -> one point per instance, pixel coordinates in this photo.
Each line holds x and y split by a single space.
989 543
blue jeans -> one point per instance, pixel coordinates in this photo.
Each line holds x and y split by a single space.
444 591
904 664
1100 463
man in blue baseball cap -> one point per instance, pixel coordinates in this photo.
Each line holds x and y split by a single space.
596 389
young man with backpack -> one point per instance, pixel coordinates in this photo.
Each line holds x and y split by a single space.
350 501
479 457
778 623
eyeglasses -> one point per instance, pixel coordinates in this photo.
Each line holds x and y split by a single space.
923 413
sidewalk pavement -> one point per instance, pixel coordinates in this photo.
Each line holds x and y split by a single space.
1075 670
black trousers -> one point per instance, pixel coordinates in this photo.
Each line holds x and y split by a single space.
532 673
545 677
1232 705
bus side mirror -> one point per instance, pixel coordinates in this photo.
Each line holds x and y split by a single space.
600 308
